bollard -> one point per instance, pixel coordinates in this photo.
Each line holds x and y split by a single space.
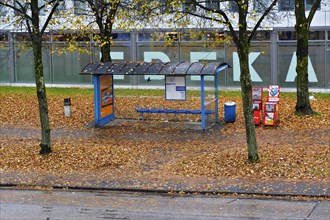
67 107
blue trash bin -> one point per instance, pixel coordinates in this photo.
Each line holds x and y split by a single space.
230 112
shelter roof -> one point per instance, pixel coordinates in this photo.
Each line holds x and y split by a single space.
154 68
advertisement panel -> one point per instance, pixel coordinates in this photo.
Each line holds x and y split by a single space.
106 95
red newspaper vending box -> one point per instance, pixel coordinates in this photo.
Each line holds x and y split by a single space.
256 113
270 114
257 92
274 96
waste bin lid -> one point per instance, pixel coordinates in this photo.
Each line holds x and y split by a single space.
229 103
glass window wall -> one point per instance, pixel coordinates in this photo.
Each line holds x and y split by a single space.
309 4
212 4
188 6
259 65
202 52
24 67
260 5
286 5
120 51
327 63
153 52
4 62
181 47
287 62
67 66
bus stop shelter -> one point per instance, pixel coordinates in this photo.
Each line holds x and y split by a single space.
175 85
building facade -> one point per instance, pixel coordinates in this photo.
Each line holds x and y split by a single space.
272 54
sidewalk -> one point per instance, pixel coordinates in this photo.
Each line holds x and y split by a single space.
223 186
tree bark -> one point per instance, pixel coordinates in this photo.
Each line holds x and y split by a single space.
105 13
105 52
36 39
302 26
246 86
45 145
303 105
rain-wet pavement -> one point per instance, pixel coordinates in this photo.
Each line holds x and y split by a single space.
66 204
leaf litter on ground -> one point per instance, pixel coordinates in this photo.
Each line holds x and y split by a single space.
155 149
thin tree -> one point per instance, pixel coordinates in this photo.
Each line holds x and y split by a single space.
28 14
104 13
107 13
302 28
242 39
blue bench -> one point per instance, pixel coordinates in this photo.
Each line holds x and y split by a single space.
171 111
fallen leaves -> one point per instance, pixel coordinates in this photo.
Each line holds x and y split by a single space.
298 149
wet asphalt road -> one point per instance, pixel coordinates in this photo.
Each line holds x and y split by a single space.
63 204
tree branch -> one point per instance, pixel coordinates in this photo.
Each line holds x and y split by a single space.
264 15
50 15
222 14
316 4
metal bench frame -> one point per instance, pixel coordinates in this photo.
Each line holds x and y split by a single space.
172 111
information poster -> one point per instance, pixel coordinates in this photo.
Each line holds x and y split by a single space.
175 88
106 93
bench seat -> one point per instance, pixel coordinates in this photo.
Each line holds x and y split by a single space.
172 111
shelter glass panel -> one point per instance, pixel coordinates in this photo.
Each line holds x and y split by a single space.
210 103
287 62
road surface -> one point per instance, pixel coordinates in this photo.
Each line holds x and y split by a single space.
64 204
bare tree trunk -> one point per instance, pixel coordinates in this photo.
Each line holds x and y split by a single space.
36 39
302 26
246 87
45 145
105 13
105 53
303 105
